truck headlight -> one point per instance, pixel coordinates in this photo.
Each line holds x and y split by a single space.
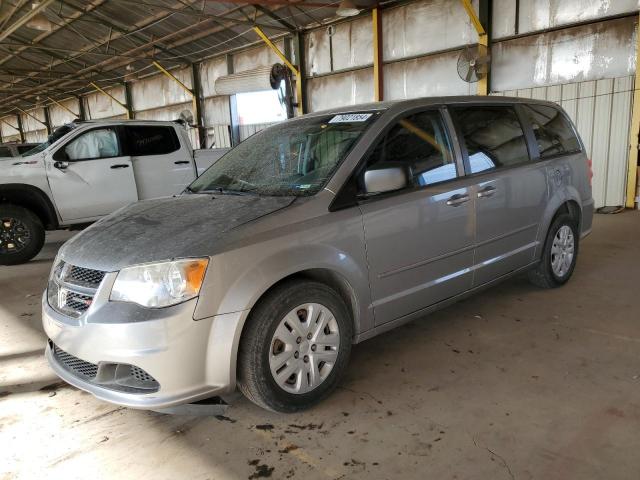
161 284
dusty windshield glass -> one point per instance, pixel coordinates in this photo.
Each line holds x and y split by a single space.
293 158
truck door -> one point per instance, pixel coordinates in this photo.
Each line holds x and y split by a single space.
89 175
161 165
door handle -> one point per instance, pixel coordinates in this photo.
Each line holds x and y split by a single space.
181 162
61 165
457 199
486 192
119 165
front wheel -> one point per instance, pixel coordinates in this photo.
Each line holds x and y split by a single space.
559 255
21 234
295 347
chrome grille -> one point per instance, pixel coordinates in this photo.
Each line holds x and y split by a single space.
84 276
79 367
71 288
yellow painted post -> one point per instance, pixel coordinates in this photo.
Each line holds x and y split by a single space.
111 97
286 61
483 39
62 106
378 78
632 171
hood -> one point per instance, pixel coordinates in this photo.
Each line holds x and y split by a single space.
165 228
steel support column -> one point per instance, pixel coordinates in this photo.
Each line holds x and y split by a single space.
234 119
82 111
20 129
197 104
128 100
47 119
632 170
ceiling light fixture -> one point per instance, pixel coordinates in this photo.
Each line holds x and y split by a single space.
39 21
347 9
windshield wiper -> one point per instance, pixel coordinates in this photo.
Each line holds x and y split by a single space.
226 191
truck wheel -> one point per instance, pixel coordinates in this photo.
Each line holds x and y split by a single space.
559 255
21 235
295 347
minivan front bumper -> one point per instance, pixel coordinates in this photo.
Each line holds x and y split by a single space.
190 360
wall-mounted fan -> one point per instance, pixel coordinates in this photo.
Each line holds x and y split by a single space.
473 63
186 117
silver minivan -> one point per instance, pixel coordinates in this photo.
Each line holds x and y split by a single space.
312 235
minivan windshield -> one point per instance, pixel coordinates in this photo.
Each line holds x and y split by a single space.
294 158
53 138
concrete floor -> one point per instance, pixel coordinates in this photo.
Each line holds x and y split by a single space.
514 383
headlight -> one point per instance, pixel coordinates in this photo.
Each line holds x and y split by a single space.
160 284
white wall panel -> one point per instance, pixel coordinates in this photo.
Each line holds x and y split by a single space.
34 131
424 27
160 90
9 134
350 46
601 111
428 76
341 89
59 116
256 57
209 72
98 105
590 52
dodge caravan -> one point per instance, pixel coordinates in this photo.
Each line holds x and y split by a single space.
310 236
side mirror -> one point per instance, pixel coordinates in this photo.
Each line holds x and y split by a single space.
60 165
385 180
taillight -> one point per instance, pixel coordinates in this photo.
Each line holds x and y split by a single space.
589 165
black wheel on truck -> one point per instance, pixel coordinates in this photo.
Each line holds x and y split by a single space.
21 234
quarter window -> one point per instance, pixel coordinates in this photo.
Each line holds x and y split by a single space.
419 143
493 136
150 140
554 134
98 143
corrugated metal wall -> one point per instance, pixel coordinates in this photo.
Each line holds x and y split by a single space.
601 110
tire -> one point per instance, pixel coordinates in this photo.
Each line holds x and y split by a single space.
261 349
21 234
545 275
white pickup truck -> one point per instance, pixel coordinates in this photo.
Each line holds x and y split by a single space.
86 170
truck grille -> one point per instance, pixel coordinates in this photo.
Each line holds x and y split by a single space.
71 289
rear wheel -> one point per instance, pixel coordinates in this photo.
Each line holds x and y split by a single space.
21 235
559 255
295 347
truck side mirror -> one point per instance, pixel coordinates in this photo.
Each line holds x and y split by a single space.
385 180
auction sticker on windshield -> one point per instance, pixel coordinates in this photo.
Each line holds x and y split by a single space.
351 117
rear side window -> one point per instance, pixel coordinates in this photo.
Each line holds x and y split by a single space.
151 140
554 134
493 136
419 143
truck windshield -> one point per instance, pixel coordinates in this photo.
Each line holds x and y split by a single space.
294 158
53 138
